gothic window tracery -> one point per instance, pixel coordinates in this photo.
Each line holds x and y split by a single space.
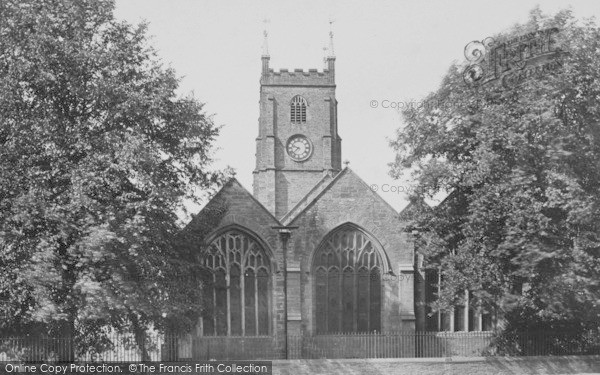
238 286
347 269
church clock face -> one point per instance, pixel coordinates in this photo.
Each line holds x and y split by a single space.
299 148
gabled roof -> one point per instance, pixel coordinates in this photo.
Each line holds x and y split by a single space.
308 198
320 189
231 184
415 206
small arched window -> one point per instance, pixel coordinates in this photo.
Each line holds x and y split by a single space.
298 110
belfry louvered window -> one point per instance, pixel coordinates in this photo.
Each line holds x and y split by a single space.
298 110
236 294
347 271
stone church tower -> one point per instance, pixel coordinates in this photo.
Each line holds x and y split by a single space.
349 260
298 141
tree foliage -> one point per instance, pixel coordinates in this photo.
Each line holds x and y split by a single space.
521 163
97 154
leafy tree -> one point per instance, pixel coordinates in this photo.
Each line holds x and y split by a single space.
97 155
521 225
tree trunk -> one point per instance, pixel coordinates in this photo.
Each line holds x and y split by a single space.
139 333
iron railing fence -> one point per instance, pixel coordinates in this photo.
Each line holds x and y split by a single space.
402 344
116 348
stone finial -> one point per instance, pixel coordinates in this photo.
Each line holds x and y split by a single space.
331 50
265 47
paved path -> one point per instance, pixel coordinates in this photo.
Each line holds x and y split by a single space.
461 366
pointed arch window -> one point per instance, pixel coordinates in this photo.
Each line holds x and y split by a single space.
298 110
238 287
347 269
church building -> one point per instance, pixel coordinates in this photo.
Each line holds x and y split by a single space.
312 250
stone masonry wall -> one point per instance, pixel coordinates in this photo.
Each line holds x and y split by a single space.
350 200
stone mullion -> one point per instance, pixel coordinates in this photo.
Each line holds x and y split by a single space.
214 302
327 298
355 283
339 285
269 300
368 289
243 297
256 327
228 285
243 262
340 312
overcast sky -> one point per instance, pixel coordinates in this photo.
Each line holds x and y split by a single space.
386 50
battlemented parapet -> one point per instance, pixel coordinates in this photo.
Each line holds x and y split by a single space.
298 77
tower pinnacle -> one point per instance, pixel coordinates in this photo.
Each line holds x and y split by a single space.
265 47
330 58
331 50
265 50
